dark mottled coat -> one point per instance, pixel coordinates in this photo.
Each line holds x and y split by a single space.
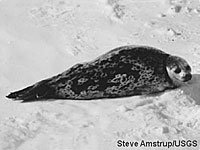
124 71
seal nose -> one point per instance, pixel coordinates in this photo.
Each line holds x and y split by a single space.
187 77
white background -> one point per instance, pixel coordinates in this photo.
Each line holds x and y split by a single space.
41 38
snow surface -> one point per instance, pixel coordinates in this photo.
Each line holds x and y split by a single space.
41 38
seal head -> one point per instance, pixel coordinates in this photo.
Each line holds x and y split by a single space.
178 69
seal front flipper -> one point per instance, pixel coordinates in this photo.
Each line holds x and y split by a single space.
38 91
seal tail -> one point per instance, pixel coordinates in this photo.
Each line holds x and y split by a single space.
38 91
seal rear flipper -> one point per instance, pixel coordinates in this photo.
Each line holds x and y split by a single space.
17 94
38 91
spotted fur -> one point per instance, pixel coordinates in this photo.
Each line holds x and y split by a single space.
124 71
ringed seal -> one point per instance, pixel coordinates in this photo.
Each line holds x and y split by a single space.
121 72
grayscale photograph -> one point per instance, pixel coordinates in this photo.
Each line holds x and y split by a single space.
100 74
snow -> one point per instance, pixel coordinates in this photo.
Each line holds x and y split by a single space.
41 38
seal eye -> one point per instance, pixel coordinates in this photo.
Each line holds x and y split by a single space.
187 67
177 70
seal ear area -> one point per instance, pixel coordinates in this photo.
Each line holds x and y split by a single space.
178 69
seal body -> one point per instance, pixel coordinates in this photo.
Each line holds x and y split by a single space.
123 71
